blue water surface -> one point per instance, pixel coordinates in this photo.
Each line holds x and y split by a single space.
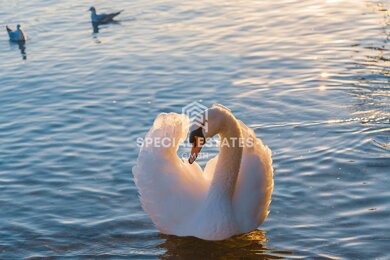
311 77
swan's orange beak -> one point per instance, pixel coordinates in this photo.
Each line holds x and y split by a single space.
195 150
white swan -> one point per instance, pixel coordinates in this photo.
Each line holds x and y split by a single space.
230 197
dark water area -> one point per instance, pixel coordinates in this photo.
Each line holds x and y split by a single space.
311 77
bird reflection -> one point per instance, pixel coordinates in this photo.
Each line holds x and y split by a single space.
22 48
95 27
250 245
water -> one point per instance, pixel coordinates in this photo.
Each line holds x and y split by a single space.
311 77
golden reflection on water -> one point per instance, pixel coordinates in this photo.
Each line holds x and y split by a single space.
250 245
371 90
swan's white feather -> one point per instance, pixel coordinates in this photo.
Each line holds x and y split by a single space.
170 188
175 193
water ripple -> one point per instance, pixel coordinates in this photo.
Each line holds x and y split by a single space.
311 77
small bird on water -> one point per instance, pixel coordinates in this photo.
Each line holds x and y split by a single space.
18 35
102 18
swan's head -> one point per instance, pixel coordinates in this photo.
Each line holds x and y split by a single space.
212 122
18 26
92 9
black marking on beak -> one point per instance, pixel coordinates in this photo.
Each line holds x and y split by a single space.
196 133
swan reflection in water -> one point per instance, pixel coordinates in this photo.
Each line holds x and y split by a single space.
250 245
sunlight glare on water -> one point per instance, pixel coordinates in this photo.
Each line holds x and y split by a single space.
310 77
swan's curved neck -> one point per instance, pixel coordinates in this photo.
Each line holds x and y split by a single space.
229 161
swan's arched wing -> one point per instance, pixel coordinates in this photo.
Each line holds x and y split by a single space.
170 189
255 182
